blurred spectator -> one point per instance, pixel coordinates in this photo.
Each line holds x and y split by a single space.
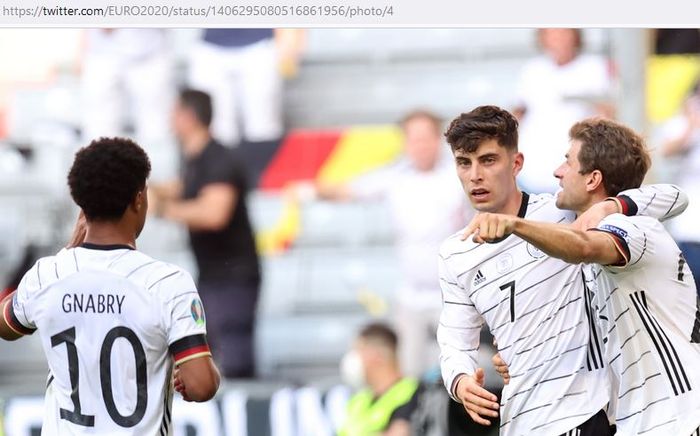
427 204
386 400
680 136
127 79
242 69
211 201
555 90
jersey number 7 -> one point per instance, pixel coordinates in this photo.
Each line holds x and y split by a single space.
511 285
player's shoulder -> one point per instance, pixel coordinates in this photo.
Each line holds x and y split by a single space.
543 207
41 274
635 222
150 273
460 254
454 244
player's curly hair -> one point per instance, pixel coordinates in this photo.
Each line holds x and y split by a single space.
106 176
469 130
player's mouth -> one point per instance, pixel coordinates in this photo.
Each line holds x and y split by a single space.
479 194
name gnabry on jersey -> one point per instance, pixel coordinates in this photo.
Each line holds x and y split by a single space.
100 303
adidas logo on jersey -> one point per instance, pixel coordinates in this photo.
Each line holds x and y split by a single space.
479 279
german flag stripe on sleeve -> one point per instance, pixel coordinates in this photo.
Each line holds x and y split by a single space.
189 347
13 322
629 207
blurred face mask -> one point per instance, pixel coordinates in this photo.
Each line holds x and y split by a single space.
352 370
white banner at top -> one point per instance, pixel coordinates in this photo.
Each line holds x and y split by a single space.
348 13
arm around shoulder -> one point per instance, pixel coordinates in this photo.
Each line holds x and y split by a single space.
570 244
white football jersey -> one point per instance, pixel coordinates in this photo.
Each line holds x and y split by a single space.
650 316
112 322
538 309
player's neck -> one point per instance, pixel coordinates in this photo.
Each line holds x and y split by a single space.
593 199
512 206
108 233
383 379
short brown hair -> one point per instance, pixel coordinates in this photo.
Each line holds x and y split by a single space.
469 130
380 334
615 150
434 119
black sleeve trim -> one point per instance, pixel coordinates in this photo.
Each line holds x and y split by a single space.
187 343
629 207
621 243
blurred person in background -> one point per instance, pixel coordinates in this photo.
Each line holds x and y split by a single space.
127 78
243 71
211 201
680 137
386 399
426 206
555 90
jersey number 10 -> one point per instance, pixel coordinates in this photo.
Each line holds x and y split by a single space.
75 416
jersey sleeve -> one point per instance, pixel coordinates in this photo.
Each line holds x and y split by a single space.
18 313
631 240
184 318
459 330
660 201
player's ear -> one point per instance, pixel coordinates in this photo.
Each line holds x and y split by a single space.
140 201
594 180
518 161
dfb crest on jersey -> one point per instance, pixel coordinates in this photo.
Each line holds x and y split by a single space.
504 263
534 251
197 311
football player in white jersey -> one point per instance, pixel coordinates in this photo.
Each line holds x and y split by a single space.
113 322
559 380
648 307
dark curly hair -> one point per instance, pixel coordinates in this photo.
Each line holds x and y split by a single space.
106 176
469 130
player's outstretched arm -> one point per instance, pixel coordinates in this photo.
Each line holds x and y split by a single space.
570 244
197 379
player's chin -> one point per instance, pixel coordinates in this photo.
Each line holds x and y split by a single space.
482 205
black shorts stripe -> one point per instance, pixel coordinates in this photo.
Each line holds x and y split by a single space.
681 264
167 392
670 360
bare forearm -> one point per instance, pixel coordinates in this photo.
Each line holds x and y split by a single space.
557 240
168 191
192 214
